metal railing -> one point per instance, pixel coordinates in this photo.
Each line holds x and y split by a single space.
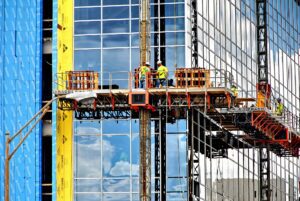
78 80
182 79
287 118
89 80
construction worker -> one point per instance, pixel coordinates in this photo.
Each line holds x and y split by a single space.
162 74
279 107
143 72
234 90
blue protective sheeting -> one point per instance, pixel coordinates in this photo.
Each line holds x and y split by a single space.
20 93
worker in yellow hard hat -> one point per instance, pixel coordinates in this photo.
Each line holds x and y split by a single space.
162 74
143 72
279 107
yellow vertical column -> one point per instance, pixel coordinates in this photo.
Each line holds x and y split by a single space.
64 118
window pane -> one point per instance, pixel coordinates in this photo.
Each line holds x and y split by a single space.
135 40
87 185
116 127
87 128
115 12
88 197
175 57
87 3
87 60
115 60
87 13
87 27
87 154
176 161
175 38
135 10
134 25
116 197
135 58
116 185
175 24
117 26
116 41
115 2
116 156
87 41
174 10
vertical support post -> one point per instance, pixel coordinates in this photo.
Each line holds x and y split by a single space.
145 155
194 34
262 41
145 121
159 32
144 31
160 157
264 173
191 154
7 143
262 62
195 135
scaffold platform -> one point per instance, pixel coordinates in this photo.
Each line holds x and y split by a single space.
233 119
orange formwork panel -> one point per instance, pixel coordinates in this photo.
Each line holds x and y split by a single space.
82 80
192 77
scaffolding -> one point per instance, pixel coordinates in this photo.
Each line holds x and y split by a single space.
214 115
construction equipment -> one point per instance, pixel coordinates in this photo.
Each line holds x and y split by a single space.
145 121
202 97
263 90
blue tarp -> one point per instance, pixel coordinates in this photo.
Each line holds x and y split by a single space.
20 93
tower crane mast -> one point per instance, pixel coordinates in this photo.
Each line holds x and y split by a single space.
144 114
263 89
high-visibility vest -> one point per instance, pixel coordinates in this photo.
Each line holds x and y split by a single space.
162 72
144 70
279 109
235 91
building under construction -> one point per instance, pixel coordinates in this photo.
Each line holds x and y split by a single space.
213 132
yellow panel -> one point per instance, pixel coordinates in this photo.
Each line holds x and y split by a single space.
64 118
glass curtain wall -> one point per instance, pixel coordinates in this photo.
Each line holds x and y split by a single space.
284 51
227 41
106 36
106 152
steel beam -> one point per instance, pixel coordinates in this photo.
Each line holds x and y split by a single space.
194 34
262 41
159 32
160 157
264 173
262 62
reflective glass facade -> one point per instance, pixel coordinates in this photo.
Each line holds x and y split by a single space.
227 40
106 152
106 39
106 36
